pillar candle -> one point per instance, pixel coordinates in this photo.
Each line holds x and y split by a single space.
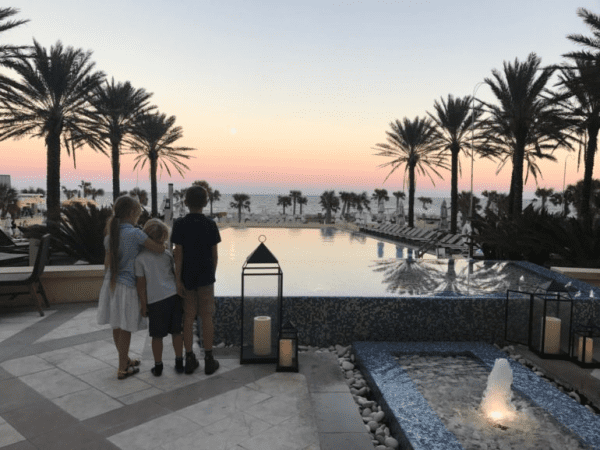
589 350
262 335
285 352
552 338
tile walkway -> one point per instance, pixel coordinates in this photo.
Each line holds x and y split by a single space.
58 389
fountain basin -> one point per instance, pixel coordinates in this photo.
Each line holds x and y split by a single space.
418 427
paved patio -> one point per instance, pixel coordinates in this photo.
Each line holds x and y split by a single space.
59 390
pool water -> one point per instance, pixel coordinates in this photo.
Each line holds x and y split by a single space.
334 263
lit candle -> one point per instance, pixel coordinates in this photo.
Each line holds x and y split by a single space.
552 338
589 350
262 335
285 352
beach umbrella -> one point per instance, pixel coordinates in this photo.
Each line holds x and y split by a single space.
444 216
81 201
400 214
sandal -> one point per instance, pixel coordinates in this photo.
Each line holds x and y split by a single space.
122 374
133 362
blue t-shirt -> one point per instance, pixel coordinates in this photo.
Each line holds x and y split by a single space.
197 234
131 243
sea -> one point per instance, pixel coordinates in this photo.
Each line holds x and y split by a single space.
266 204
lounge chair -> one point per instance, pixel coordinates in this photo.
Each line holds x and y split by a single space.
16 282
8 245
425 236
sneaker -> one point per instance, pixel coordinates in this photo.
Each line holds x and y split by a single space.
179 365
191 363
210 365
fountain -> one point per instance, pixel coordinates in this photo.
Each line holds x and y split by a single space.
496 404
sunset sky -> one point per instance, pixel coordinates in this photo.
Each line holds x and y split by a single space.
280 95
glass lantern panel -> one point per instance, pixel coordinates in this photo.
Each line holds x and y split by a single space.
261 314
517 320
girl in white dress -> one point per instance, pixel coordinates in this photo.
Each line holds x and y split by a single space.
118 304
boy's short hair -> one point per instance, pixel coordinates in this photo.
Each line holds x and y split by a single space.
196 197
156 230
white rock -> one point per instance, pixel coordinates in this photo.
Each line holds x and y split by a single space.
331 348
380 438
575 396
220 345
366 412
352 358
367 420
367 427
341 351
363 391
347 366
369 404
378 416
361 400
590 409
381 447
391 442
372 425
379 431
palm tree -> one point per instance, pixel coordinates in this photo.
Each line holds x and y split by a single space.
412 144
69 193
5 25
152 137
213 195
51 101
329 202
96 193
345 197
361 201
457 127
116 107
464 205
525 123
425 201
8 199
32 190
141 194
399 195
380 195
496 202
284 200
302 201
86 187
240 201
544 194
295 195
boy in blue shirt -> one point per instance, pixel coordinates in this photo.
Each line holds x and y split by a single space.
196 237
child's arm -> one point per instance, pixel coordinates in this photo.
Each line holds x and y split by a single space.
215 255
178 258
154 246
142 294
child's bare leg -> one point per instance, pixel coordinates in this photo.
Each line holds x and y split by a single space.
188 332
207 330
157 349
178 344
123 341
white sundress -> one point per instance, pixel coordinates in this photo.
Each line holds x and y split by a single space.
121 308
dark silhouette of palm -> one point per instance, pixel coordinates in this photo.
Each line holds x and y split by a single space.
50 99
593 21
116 107
284 200
544 194
69 193
399 195
302 201
526 123
6 51
295 195
380 195
412 144
425 201
240 201
141 194
345 198
8 199
329 202
464 206
152 138
454 122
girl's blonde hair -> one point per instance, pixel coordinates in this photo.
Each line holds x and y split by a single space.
124 208
157 230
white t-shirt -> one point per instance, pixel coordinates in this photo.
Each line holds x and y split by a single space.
159 270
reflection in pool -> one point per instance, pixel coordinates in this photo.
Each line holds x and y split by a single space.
333 263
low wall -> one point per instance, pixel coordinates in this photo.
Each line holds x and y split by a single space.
590 276
63 284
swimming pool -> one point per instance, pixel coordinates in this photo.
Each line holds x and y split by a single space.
328 262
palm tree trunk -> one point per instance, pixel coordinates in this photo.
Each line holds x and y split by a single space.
586 195
328 215
454 190
211 213
411 196
294 206
300 208
153 186
53 177
517 179
116 182
240 214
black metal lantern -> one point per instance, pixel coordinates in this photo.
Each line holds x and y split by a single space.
287 350
585 340
551 321
260 313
